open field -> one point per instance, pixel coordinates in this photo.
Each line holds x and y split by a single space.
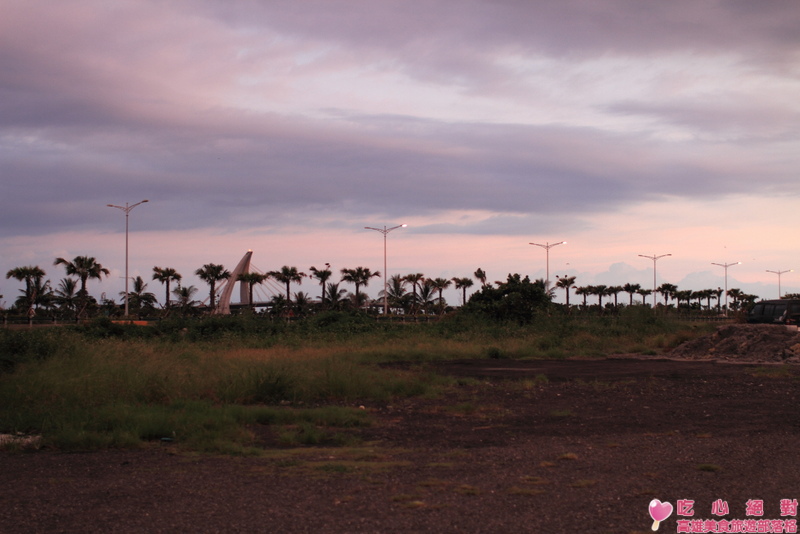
476 445
489 455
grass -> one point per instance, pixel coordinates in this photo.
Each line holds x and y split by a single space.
466 489
583 483
781 371
709 468
203 383
516 490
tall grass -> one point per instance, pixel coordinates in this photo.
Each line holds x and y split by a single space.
109 392
202 383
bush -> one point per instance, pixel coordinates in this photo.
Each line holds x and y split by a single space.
21 346
516 300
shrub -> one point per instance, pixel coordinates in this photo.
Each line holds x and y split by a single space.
516 300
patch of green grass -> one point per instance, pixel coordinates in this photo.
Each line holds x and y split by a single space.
413 504
709 468
773 371
516 490
534 480
433 482
405 497
537 381
335 468
440 464
466 489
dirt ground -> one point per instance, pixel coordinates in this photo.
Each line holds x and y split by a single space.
515 446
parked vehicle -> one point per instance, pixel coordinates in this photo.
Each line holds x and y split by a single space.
782 311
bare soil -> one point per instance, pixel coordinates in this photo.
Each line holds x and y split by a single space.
515 446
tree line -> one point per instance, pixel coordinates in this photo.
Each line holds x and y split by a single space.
413 293
409 294
670 294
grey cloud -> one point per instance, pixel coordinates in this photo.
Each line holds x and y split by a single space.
499 168
719 118
458 38
83 122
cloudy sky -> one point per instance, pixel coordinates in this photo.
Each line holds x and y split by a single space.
623 127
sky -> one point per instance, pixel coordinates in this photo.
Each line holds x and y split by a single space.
623 127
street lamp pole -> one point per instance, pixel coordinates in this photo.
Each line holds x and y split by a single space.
385 231
127 209
547 247
725 266
779 273
655 259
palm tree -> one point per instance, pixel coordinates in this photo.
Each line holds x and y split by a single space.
322 275
667 291
644 293
707 294
287 275
251 279
614 290
426 298
165 275
681 295
138 297
38 296
278 305
415 279
601 291
463 284
718 295
566 283
397 294
360 277
84 267
211 273
32 275
302 303
185 296
335 296
583 291
440 284
65 296
737 295
480 275
631 289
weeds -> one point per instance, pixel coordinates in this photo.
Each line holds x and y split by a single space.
201 382
709 468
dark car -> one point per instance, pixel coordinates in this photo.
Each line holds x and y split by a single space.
775 312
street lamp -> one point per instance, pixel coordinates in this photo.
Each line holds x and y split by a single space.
725 266
547 247
127 209
779 273
385 231
655 259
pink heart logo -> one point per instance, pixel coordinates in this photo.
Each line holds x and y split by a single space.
659 511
